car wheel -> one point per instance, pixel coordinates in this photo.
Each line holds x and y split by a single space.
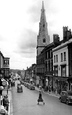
67 102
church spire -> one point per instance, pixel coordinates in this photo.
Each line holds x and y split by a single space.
42 5
43 37
43 17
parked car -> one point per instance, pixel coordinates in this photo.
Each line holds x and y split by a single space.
19 88
66 96
32 87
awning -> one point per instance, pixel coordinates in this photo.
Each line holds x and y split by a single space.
70 79
60 78
63 79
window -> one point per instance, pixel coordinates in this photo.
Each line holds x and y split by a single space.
44 40
47 66
51 65
61 57
43 25
54 58
63 70
64 56
50 53
56 70
46 55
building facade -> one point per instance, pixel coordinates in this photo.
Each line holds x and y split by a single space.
49 61
54 60
61 63
4 66
70 64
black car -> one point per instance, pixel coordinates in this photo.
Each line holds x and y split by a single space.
66 96
19 88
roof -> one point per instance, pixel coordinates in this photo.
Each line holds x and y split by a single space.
62 45
1 54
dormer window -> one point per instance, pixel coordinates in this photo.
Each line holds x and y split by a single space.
6 62
44 40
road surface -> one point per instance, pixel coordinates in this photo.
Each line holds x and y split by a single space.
26 104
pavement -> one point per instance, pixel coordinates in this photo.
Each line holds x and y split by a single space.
10 111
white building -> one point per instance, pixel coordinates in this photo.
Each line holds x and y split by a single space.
61 66
60 60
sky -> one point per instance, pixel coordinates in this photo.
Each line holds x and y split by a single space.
19 27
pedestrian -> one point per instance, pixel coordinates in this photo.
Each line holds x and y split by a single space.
6 102
1 99
0 91
40 99
9 83
7 87
0 85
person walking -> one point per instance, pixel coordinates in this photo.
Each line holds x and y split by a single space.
6 102
0 86
1 99
40 99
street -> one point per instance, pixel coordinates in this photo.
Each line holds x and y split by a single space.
26 104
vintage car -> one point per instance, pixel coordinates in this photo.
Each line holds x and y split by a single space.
31 87
66 96
19 88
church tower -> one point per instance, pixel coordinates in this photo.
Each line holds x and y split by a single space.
43 37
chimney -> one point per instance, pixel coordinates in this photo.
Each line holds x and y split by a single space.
69 34
56 38
65 33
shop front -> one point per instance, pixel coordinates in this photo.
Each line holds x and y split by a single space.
70 83
49 82
60 84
